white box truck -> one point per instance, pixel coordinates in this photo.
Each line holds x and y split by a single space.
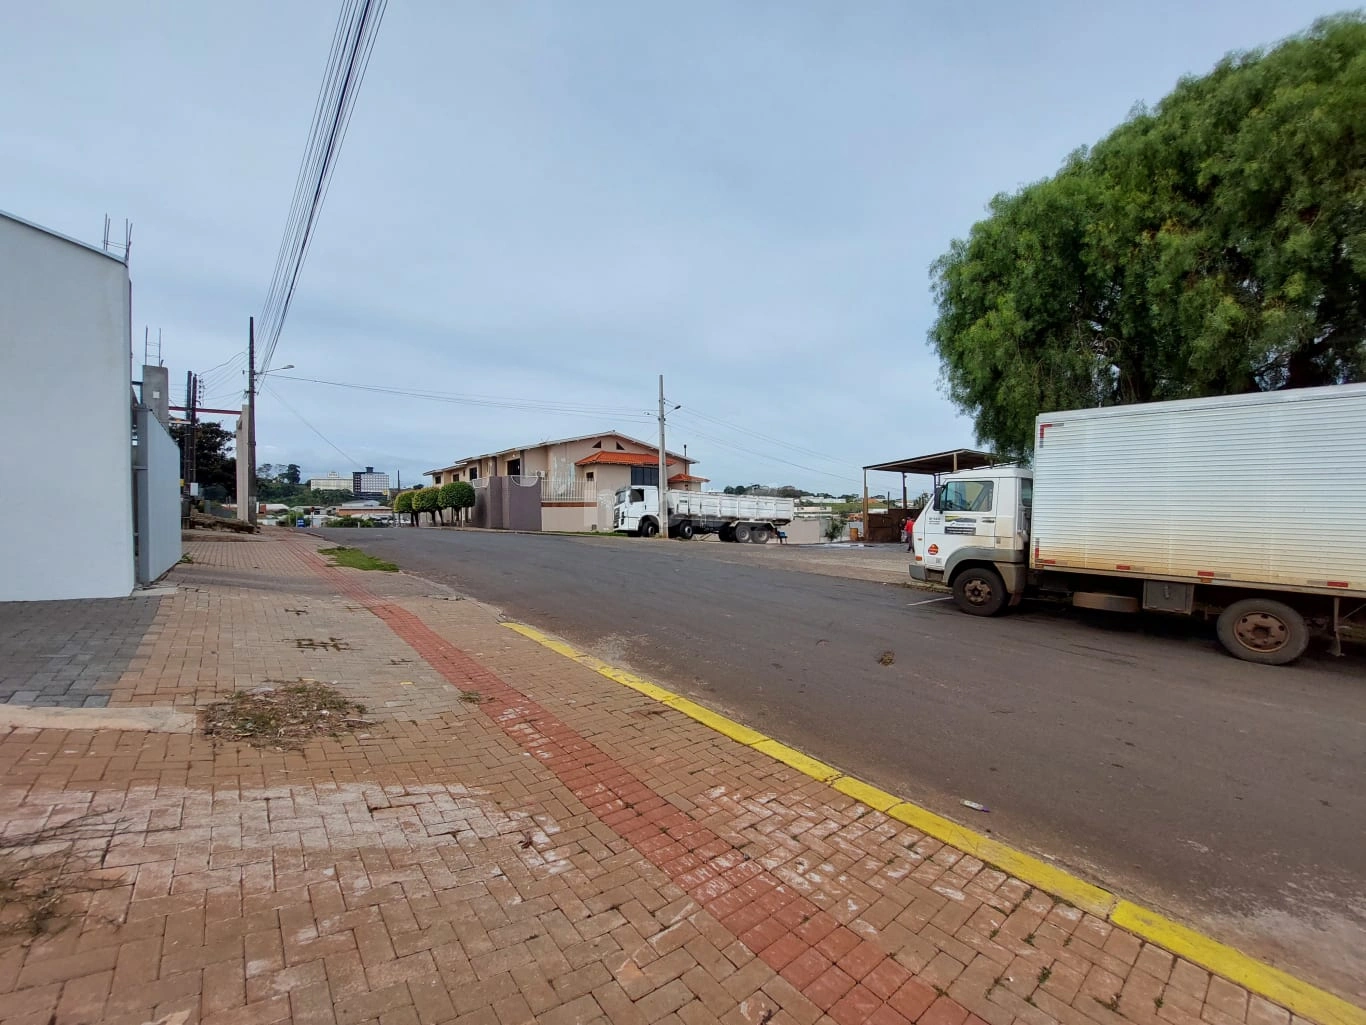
1248 508
752 518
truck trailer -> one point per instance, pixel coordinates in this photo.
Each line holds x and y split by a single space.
1249 509
752 518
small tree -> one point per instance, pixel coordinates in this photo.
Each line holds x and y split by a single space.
403 504
446 496
463 496
834 530
426 500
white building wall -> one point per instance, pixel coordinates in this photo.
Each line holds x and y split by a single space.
66 418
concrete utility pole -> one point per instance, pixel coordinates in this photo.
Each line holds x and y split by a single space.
251 427
663 469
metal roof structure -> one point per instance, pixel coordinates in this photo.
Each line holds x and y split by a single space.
940 462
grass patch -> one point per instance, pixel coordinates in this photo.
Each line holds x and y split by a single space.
354 558
282 717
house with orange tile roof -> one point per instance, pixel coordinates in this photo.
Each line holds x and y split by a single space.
578 476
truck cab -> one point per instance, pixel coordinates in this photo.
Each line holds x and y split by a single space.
974 537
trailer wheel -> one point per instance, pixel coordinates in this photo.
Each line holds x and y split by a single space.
648 528
980 591
684 531
740 532
759 536
1264 631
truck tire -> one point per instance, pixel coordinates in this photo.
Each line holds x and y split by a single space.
740 532
1264 631
648 528
684 531
980 591
759 536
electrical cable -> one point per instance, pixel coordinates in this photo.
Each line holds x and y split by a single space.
315 430
353 44
492 401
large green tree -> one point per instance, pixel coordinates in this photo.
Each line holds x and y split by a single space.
215 466
1213 245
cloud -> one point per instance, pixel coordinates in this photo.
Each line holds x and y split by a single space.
560 202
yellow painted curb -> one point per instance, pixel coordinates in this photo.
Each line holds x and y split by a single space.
804 764
1032 870
1305 1000
868 794
1272 983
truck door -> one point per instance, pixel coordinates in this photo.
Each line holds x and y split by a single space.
962 514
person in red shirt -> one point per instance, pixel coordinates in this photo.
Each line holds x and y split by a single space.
909 527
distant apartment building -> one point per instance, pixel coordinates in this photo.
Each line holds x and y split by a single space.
332 482
368 483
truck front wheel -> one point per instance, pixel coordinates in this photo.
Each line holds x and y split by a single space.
980 591
648 528
1262 630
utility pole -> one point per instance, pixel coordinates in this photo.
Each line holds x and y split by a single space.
663 469
251 420
192 407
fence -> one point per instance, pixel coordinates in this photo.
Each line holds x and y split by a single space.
569 490
156 497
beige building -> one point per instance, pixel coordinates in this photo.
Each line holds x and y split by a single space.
579 476
332 482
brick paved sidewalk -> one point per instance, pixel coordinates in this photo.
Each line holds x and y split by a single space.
516 839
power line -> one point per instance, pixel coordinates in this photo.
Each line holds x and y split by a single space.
492 401
764 457
315 430
748 432
352 44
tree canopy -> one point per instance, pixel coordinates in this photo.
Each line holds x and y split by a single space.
1213 245
457 495
215 467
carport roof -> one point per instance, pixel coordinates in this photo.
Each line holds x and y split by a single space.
940 462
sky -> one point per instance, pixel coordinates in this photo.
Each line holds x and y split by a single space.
550 204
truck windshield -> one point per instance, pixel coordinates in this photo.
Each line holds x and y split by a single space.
965 496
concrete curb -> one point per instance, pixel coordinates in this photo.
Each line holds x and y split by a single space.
149 720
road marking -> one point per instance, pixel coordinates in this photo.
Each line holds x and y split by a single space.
927 601
1298 996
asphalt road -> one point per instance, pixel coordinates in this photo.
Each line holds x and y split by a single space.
1133 751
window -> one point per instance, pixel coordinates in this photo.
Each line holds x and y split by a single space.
647 476
588 475
637 495
1027 493
965 496
621 447
474 473
597 444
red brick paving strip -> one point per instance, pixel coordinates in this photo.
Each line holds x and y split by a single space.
848 977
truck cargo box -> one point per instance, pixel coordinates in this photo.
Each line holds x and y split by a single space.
1267 489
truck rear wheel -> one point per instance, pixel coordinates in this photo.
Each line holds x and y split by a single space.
1264 631
980 591
740 532
760 535
683 531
